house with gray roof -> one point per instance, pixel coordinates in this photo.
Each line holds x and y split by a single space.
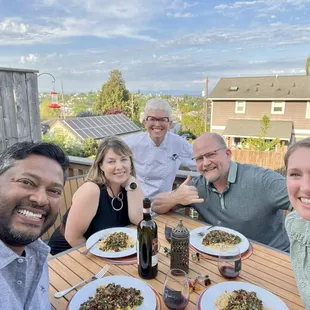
238 104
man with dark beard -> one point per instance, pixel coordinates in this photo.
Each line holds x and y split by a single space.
32 177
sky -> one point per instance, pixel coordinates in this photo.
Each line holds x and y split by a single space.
163 45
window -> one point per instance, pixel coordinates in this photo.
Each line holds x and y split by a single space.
240 107
278 107
308 110
233 88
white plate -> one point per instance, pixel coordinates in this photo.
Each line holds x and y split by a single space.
269 300
103 233
89 290
196 240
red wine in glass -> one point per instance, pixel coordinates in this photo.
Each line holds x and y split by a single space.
176 304
229 272
229 262
176 290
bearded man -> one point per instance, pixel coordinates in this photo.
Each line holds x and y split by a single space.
32 177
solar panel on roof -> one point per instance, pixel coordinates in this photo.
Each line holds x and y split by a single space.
81 133
99 127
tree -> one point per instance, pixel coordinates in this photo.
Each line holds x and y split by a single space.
69 145
260 143
192 124
79 108
85 114
46 112
90 147
113 94
308 66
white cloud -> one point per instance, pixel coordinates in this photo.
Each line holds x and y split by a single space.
94 18
180 15
276 24
187 5
254 62
288 71
11 26
63 28
29 58
278 35
263 6
236 5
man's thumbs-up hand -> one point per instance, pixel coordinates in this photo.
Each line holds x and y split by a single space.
186 194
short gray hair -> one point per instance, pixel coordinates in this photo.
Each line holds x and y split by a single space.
156 104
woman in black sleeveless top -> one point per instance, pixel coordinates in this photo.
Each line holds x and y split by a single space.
110 197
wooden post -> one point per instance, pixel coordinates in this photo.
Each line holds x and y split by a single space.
19 107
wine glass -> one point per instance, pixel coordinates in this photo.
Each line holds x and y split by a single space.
168 230
229 262
176 290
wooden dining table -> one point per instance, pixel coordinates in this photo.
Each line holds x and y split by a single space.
266 267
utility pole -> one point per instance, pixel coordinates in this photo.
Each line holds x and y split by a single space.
62 99
132 106
205 105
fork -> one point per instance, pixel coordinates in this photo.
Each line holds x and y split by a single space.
99 275
202 233
87 250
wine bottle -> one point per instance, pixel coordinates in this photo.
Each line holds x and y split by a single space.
147 244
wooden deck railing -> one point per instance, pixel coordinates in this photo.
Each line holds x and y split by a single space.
76 176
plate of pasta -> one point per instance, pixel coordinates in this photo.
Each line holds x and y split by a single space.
113 242
114 292
214 239
239 295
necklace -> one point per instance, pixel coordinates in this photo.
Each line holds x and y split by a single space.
117 200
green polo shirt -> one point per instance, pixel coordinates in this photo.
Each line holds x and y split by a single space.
252 203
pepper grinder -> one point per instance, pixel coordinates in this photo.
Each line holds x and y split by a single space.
180 248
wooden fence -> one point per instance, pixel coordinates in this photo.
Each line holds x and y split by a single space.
271 160
19 107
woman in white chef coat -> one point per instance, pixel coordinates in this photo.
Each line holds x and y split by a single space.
159 153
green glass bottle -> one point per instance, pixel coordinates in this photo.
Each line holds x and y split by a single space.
147 244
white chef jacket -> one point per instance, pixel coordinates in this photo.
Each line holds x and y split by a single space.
156 167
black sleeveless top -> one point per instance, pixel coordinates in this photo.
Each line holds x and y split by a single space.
106 217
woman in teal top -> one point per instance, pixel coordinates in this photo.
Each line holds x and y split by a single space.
297 163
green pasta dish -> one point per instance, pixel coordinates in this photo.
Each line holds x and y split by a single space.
113 297
239 300
217 238
116 242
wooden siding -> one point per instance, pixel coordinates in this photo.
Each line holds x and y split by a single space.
295 111
19 107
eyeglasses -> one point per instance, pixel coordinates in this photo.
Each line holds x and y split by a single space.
161 120
208 155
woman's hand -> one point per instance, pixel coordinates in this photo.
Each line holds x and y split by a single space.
135 201
130 179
